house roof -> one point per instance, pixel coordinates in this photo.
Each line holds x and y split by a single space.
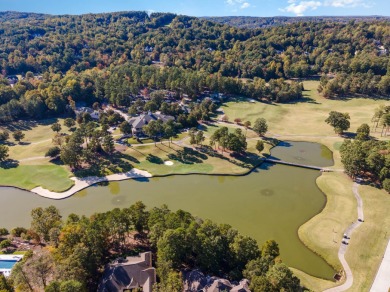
135 272
220 285
242 287
144 119
195 280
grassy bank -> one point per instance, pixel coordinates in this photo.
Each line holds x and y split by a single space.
187 160
51 177
370 239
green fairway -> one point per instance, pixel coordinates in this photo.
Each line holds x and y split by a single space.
305 121
152 158
52 177
306 117
37 140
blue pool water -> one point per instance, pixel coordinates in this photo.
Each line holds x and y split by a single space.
7 264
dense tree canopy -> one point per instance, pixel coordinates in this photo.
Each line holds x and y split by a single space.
112 56
367 159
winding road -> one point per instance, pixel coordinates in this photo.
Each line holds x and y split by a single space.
344 244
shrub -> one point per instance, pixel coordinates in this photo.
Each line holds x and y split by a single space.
386 185
53 152
18 231
5 243
3 231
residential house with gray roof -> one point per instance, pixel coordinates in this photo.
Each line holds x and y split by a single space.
142 120
131 273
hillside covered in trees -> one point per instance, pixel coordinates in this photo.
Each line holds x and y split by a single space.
112 56
40 43
262 22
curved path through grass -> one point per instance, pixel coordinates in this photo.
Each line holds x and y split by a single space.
344 244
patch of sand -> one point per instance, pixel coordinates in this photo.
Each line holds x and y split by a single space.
168 163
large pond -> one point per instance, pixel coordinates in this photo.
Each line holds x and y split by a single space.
270 203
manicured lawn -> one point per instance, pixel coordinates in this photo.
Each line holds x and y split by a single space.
38 138
133 141
35 131
324 232
15 252
178 137
304 118
151 158
312 283
369 241
52 177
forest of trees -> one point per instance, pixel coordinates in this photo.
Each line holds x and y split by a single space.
56 94
262 22
354 85
112 56
40 43
366 158
77 249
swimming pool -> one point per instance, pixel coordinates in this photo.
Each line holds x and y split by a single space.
7 264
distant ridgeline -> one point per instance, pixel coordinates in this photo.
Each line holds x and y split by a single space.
75 56
262 22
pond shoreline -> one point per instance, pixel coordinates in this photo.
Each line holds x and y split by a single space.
146 176
84 183
40 191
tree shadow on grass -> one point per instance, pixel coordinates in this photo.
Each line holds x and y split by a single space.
273 142
21 125
115 163
127 157
305 99
22 143
57 161
7 143
248 159
154 159
26 125
188 156
9 163
348 135
244 160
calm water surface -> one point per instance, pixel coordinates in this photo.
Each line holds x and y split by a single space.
270 203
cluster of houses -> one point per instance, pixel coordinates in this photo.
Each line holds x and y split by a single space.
139 121
138 273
